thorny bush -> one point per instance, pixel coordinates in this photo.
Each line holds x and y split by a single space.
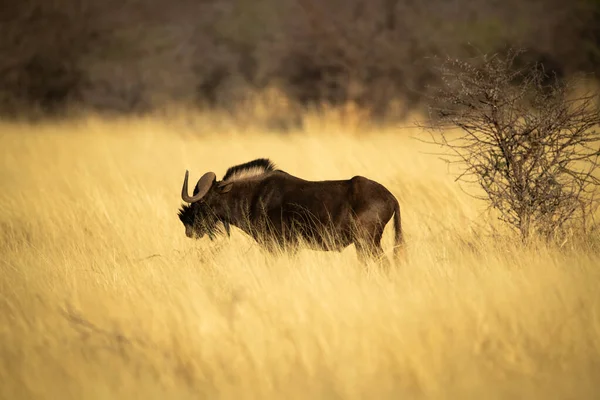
526 138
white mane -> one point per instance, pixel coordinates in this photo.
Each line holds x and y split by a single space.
249 170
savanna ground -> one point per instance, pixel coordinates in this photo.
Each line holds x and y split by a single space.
102 296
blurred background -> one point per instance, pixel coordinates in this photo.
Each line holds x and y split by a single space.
61 57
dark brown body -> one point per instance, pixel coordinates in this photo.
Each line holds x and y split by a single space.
281 211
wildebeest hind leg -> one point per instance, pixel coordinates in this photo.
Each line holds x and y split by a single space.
371 252
368 248
380 258
362 253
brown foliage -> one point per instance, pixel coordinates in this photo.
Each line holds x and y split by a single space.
138 55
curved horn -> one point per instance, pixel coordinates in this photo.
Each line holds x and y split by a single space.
203 187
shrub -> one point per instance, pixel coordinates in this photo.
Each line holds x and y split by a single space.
526 139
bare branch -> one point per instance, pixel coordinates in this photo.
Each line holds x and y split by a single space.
532 149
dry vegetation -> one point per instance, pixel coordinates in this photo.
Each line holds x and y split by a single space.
60 57
102 295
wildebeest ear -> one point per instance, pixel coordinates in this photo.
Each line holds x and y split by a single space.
225 187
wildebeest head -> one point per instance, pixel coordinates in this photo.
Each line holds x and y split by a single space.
198 217
201 216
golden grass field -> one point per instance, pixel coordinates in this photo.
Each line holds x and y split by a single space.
103 297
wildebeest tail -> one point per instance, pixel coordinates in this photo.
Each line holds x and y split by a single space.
398 237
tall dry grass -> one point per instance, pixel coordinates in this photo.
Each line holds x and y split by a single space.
102 296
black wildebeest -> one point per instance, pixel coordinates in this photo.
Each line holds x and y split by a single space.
280 210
